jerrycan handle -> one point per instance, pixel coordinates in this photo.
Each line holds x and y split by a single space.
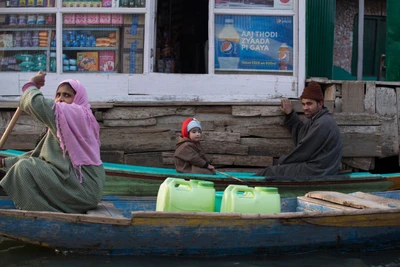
248 192
186 185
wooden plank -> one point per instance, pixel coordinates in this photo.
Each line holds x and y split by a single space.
346 200
138 142
225 148
268 147
393 203
234 160
112 156
364 164
370 97
9 104
151 159
362 129
214 109
312 204
221 137
254 111
386 107
353 96
101 105
297 106
350 118
168 158
361 145
134 113
21 141
330 92
129 123
105 209
275 131
174 123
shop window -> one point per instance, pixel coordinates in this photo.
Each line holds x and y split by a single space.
91 42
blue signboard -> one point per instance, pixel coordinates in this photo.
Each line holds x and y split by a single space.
254 43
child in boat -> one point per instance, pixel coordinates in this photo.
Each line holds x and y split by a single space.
189 155
64 172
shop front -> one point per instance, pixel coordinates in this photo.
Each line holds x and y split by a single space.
156 50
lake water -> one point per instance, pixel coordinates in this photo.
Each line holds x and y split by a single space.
19 254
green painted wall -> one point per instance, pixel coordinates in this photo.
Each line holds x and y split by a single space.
393 41
320 25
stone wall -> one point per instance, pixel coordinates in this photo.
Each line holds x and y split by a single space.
236 136
345 12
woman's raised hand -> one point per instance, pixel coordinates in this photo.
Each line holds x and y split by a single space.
39 79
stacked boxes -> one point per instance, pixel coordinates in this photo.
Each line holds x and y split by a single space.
133 41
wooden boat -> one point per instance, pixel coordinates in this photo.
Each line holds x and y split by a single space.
130 180
130 226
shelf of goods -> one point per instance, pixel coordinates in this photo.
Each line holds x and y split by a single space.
91 49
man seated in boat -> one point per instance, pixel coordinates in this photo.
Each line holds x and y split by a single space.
189 155
318 145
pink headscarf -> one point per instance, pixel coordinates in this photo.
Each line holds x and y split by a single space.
78 130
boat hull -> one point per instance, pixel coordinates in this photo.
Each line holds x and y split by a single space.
130 180
205 234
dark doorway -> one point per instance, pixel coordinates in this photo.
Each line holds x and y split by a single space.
182 32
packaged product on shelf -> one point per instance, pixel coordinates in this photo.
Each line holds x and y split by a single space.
26 39
116 19
105 18
132 62
40 19
140 3
17 36
31 3
106 3
40 3
103 42
22 3
13 19
106 61
21 19
6 40
87 61
31 19
50 19
93 19
69 19
14 3
80 19
130 38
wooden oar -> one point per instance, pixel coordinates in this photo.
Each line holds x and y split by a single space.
231 176
10 127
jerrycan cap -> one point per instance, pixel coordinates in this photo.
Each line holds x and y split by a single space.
271 190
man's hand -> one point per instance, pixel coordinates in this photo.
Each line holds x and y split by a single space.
39 79
286 106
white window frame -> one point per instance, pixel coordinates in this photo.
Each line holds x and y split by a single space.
166 87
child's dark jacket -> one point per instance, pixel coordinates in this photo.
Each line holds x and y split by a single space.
190 157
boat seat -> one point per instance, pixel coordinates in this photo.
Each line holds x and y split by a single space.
105 209
311 204
347 200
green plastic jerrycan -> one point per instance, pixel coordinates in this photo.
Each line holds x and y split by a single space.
244 199
179 195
